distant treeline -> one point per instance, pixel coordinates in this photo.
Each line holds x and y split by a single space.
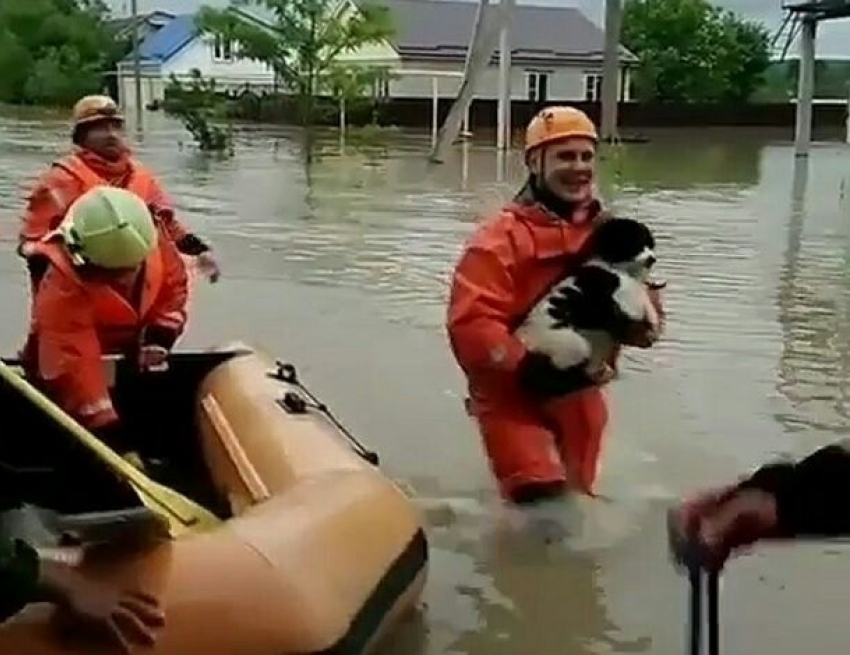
832 77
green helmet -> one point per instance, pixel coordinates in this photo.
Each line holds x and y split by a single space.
109 227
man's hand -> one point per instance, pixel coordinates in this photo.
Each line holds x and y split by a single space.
642 336
102 612
711 526
208 265
153 358
645 335
654 290
604 374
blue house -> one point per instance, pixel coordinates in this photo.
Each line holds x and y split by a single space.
557 54
175 45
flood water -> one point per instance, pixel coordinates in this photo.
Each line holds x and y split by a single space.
342 268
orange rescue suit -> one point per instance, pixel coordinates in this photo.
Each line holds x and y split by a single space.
508 265
79 316
70 177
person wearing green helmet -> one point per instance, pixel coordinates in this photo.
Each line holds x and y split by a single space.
113 286
109 229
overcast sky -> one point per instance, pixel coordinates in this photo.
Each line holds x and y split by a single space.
833 37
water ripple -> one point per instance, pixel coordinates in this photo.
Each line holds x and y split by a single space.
755 360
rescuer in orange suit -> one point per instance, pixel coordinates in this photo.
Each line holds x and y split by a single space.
538 439
100 155
112 285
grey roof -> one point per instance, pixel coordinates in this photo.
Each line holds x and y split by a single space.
441 29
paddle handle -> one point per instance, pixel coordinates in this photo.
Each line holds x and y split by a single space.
114 461
695 612
712 619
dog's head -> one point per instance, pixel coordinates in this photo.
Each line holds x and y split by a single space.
624 244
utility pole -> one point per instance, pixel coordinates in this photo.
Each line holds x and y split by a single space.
611 69
805 88
137 64
503 123
482 46
476 27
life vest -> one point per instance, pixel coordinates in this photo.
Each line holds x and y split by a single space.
141 181
117 319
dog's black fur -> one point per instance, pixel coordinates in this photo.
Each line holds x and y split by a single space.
580 321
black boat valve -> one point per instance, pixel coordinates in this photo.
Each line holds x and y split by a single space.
285 373
293 403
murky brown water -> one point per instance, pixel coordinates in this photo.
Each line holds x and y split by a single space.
344 268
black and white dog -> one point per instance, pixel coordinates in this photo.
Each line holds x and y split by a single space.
584 316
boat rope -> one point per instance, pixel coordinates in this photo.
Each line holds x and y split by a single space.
293 403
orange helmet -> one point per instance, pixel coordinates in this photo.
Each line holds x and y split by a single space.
556 123
91 109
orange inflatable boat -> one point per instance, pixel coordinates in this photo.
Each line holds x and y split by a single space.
311 548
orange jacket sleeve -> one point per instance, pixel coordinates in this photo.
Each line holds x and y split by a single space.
163 208
168 318
481 310
69 353
188 243
47 204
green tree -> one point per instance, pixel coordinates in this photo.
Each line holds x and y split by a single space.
349 85
692 51
304 44
199 107
51 51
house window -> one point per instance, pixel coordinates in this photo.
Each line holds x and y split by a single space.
592 87
538 86
381 88
222 49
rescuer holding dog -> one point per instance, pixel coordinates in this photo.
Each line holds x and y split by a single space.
540 439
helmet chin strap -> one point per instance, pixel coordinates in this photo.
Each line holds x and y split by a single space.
561 207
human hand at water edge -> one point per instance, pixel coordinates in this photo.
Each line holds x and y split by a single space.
647 333
654 289
642 335
604 374
709 527
208 266
781 500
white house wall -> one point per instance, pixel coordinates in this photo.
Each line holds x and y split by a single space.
371 54
565 82
235 74
153 87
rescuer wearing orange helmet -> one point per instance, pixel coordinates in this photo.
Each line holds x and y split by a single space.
538 439
100 155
